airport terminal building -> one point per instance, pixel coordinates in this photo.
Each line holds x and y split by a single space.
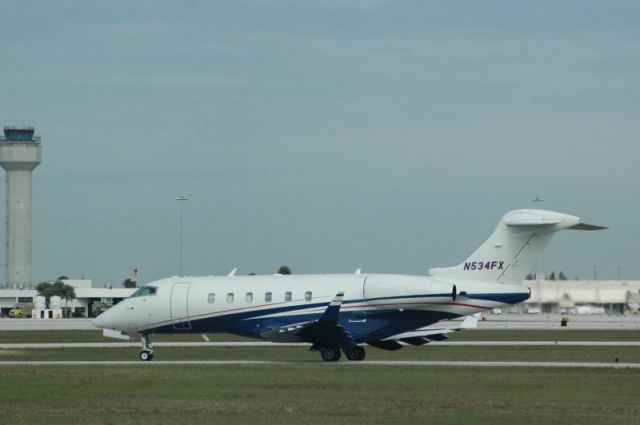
81 306
582 297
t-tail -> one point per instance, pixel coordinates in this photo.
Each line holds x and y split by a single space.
513 248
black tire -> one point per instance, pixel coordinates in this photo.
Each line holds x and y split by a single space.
146 356
355 353
330 354
363 353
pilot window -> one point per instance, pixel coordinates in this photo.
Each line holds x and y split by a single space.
307 296
211 298
230 297
249 297
144 291
287 296
267 297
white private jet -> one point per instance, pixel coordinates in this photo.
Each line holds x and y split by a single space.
339 312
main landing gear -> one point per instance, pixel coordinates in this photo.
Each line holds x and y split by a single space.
146 354
355 353
332 354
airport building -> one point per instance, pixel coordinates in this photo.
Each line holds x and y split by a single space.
87 303
581 297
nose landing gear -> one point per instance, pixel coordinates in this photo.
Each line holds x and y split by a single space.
146 354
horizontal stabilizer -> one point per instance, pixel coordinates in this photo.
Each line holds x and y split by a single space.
526 218
585 226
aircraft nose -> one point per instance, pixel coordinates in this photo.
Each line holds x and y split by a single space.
98 322
104 320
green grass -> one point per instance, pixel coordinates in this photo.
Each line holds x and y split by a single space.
467 335
317 395
546 335
431 352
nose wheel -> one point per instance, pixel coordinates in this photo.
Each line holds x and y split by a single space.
146 354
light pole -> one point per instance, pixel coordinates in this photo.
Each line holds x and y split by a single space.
536 201
181 198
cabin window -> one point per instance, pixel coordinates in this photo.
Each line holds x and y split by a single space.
307 296
211 298
267 297
249 297
287 296
230 297
145 291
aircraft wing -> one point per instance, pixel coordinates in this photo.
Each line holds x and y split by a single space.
324 332
427 334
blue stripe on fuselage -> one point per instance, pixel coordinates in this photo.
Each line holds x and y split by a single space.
379 323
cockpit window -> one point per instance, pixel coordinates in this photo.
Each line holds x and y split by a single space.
144 291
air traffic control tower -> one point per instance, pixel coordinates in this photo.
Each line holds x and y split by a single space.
20 154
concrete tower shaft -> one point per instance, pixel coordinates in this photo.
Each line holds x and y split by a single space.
19 157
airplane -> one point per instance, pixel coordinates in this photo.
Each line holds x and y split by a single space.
338 313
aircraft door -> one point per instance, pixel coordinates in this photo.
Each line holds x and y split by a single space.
179 306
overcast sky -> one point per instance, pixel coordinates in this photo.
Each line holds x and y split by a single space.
324 135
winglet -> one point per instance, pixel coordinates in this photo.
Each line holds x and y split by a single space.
331 313
233 272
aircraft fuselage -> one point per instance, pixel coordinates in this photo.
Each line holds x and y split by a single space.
375 306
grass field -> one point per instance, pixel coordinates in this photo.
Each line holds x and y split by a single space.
432 352
317 395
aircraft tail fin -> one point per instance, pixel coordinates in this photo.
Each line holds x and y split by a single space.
515 245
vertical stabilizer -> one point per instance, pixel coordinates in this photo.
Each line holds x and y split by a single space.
514 247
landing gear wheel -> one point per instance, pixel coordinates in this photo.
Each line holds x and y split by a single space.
330 354
355 353
146 356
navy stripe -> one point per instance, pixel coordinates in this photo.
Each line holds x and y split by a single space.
507 298
221 317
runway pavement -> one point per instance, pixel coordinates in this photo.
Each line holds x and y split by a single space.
489 321
387 363
552 321
50 345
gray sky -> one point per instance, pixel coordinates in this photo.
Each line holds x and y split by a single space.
322 135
